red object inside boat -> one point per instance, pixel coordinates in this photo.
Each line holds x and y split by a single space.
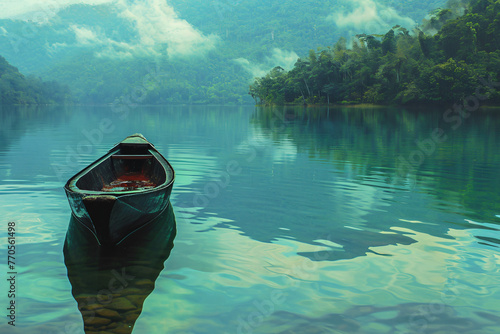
127 182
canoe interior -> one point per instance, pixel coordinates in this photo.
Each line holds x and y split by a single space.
130 167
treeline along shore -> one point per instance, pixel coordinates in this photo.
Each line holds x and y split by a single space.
445 60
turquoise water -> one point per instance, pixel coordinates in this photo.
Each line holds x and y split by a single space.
289 220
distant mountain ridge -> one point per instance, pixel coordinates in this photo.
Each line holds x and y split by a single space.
202 52
15 88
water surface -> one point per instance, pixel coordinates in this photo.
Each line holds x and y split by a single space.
289 220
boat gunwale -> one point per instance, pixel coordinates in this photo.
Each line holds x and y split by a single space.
72 187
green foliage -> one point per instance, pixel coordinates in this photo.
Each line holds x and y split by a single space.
389 43
15 88
248 29
399 67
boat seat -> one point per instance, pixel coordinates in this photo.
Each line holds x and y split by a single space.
132 156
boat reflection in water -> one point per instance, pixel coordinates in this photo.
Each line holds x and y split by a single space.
110 283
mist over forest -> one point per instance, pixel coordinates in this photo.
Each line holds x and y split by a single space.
449 58
186 51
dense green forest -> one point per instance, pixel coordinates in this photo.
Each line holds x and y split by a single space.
15 88
399 67
102 51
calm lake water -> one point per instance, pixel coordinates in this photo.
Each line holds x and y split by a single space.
288 220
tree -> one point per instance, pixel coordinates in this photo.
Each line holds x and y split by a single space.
389 43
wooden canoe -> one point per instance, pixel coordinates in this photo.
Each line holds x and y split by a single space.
121 191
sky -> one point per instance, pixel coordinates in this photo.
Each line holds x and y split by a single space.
39 10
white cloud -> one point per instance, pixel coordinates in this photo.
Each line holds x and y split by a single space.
159 30
278 57
55 47
84 35
107 47
367 16
157 23
39 10
255 69
283 58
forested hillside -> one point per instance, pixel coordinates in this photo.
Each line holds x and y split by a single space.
15 88
186 51
399 67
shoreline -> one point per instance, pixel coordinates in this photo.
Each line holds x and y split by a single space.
374 106
350 106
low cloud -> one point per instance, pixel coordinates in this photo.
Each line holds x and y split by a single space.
84 35
158 32
278 57
157 23
55 47
39 10
367 16
283 58
105 47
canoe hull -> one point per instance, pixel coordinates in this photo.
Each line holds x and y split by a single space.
113 215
